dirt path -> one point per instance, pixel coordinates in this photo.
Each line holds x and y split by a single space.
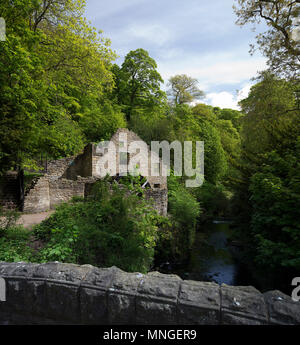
28 220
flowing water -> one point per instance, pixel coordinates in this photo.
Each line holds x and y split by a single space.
212 258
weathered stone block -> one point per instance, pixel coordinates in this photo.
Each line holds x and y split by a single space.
16 295
242 305
36 297
38 198
282 309
62 302
93 306
62 272
199 303
94 295
156 301
100 277
121 297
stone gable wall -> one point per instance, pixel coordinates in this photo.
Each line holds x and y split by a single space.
159 181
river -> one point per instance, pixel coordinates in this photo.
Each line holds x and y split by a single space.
212 258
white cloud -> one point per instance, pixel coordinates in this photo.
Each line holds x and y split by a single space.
213 70
222 99
197 38
226 99
244 92
154 34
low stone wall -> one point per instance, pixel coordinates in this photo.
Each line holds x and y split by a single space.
47 193
56 293
63 190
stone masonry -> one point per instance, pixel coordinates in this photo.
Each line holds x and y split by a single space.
69 177
56 293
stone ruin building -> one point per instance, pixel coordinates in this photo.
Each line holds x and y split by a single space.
73 176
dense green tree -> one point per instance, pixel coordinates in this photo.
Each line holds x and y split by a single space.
184 89
271 173
50 63
234 116
138 83
190 124
271 115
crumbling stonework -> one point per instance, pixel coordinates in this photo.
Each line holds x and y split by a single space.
38 198
56 293
57 168
160 199
63 190
74 176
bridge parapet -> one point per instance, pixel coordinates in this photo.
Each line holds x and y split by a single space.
57 293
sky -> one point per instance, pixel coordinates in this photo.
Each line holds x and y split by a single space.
194 37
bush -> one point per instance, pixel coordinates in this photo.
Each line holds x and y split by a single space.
8 219
275 198
214 200
184 211
114 227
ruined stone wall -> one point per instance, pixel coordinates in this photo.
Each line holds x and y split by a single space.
156 182
81 166
63 190
56 293
57 168
63 179
37 198
52 189
160 199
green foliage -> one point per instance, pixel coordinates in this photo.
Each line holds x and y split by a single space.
8 219
101 121
194 124
113 227
214 200
14 245
138 83
269 187
51 62
232 115
184 89
280 42
271 120
13 238
275 197
184 210
153 125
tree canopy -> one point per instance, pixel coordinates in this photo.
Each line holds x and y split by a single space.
184 89
52 63
281 42
138 83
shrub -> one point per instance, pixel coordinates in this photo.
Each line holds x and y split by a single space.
8 219
275 198
184 211
113 227
214 200
14 245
